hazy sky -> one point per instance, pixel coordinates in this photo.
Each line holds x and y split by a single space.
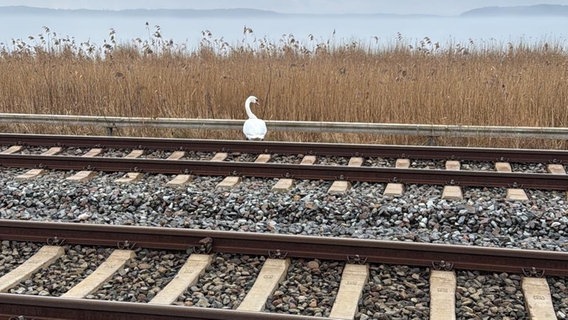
441 7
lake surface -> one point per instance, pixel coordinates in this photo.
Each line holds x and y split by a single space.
483 32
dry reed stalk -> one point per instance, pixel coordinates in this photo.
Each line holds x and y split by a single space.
516 87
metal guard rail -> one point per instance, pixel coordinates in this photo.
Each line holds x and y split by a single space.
430 130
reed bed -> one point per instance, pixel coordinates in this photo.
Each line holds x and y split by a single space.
422 83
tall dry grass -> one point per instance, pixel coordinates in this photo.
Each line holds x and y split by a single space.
516 85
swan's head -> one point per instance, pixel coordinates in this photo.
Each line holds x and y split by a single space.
253 100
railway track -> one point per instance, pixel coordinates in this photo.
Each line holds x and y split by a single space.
353 172
227 193
534 268
317 149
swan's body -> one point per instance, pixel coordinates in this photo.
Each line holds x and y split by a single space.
254 128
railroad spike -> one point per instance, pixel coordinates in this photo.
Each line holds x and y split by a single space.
356 259
278 254
516 185
442 265
125 245
203 246
207 244
55 241
533 272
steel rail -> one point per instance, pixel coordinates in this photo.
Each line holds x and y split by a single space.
278 170
430 130
274 147
552 263
40 307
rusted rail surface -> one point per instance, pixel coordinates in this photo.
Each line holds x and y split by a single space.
49 308
323 149
551 263
277 170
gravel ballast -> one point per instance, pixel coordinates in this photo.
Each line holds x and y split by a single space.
484 217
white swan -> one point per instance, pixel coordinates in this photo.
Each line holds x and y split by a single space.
254 128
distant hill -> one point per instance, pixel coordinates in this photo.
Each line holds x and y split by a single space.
181 13
187 13
536 10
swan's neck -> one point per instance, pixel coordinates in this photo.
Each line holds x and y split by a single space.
249 113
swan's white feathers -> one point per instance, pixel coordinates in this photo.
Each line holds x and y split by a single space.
253 128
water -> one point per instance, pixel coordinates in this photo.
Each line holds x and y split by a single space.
367 30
